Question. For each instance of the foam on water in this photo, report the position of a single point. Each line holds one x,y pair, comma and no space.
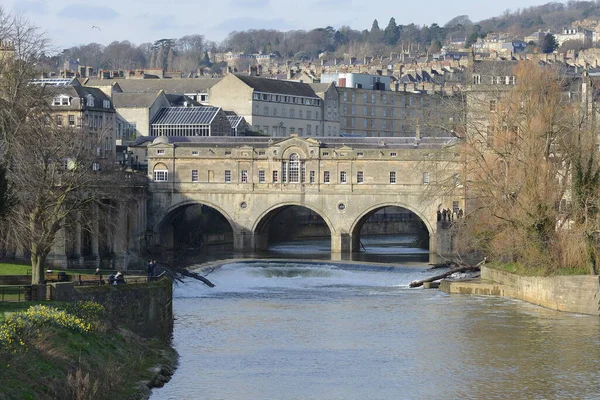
270,276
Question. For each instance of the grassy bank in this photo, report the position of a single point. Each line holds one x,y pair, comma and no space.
71,352
523,270
15,269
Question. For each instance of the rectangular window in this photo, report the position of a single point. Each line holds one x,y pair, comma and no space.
161,176
325,176
392,176
227,152
455,207
343,177
227,176
426,178
58,120
311,177
194,175
360,176
71,120
160,152
275,176
493,105
325,153
393,154
261,176
194,153
244,176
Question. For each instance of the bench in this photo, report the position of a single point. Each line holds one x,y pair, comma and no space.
56,277
90,280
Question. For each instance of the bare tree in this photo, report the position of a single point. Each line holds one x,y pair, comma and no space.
48,166
524,146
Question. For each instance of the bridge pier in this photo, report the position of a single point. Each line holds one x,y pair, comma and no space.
341,242
243,240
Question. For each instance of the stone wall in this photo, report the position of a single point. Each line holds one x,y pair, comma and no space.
577,294
146,309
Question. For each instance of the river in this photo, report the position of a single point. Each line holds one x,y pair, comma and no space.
306,330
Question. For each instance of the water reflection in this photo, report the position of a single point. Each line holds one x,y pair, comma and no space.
380,249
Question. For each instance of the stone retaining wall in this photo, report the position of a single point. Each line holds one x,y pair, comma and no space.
572,293
146,309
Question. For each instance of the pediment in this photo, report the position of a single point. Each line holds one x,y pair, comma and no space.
293,144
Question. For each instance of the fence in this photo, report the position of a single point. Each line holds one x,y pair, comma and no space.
15,293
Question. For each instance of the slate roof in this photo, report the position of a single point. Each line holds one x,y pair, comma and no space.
186,116
276,86
134,100
82,92
171,86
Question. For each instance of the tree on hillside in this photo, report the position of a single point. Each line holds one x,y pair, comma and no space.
391,34
549,43
530,156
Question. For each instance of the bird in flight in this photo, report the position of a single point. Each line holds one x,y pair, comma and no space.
95,27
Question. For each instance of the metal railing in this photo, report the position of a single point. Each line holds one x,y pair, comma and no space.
15,293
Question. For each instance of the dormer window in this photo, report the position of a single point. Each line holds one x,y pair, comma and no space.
89,100
106,103
61,100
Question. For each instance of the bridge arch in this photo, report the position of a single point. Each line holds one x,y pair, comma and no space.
164,232
264,219
358,223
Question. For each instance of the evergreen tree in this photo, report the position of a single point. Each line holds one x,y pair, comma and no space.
391,34
549,43
375,27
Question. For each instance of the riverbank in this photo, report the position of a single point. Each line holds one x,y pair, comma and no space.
570,293
51,351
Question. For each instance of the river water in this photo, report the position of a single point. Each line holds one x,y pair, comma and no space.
325,330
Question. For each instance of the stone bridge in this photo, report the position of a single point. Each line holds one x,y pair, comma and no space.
344,180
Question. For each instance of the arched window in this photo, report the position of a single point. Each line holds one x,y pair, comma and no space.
294,168
161,173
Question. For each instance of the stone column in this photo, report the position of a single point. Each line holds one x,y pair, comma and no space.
57,257
119,237
94,235
75,259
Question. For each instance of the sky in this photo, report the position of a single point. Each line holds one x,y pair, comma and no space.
71,23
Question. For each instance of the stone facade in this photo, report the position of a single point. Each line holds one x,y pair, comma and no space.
343,180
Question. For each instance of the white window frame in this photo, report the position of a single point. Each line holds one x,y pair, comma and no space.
360,177
261,176
161,175
195,175
343,177
392,177
227,176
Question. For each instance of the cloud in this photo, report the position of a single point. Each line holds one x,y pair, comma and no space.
249,3
39,7
88,12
